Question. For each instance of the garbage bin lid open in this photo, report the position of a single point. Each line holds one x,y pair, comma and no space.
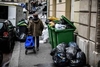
69,22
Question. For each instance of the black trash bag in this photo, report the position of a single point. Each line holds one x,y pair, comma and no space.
23,29
53,51
61,47
20,31
63,22
47,21
60,59
59,55
80,60
71,53
68,26
73,44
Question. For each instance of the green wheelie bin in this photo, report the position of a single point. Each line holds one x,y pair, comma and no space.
50,36
65,35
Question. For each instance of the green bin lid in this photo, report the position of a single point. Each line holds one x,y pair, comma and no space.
69,22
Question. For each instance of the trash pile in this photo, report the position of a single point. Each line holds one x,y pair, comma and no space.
44,36
59,24
68,55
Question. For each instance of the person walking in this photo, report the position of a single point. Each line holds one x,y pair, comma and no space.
35,28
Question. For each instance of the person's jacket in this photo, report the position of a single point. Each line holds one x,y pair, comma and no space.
35,27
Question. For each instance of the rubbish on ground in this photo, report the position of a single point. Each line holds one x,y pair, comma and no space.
73,44
44,36
71,52
68,55
79,61
58,54
60,48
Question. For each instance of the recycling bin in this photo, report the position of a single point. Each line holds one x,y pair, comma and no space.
65,35
60,36
50,36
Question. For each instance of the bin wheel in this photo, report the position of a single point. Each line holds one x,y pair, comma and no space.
26,52
34,50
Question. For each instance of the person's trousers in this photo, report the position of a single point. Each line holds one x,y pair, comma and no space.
37,41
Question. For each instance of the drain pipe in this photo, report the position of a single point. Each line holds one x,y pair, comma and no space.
89,24
98,28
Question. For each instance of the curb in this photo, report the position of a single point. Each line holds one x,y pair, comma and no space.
15,56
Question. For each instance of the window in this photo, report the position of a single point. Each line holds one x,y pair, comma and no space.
4,12
60,0
1,25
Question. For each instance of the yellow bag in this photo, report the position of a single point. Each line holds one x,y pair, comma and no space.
52,18
51,23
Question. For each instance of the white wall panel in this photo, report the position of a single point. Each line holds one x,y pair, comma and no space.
58,14
60,7
76,5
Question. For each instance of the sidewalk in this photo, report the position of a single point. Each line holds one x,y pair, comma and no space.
42,57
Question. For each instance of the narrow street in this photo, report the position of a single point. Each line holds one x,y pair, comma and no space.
70,38
42,57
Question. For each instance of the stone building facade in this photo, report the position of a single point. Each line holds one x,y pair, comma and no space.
85,15
14,0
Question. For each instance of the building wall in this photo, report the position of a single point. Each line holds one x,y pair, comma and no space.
22,0
58,8
51,8
85,20
41,1
15,0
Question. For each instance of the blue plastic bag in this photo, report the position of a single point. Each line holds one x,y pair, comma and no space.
73,44
30,41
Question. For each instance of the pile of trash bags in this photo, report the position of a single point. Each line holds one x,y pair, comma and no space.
68,55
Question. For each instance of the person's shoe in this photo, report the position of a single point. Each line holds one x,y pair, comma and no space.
34,50
37,49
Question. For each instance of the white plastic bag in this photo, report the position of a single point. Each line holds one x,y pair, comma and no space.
44,36
60,26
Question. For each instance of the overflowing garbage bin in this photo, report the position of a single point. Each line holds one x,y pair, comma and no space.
61,34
